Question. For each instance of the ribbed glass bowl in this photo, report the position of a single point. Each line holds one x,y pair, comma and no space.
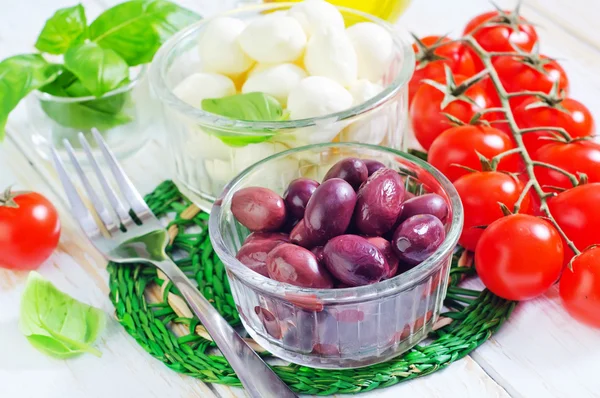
205,160
336,328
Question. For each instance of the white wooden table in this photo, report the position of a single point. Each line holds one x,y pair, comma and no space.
540,352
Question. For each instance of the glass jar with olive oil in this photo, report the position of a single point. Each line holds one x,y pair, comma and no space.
389,10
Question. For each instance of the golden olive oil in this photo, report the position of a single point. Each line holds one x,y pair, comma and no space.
389,10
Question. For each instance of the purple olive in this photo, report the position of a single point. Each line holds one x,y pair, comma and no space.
417,238
254,254
262,236
426,204
352,170
373,166
297,195
379,202
385,248
301,236
318,252
354,261
297,266
258,209
269,321
329,210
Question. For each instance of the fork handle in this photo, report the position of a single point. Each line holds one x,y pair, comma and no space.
256,376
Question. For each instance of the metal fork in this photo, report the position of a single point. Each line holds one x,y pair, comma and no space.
142,238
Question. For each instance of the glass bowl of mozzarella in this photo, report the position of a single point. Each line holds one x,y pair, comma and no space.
253,82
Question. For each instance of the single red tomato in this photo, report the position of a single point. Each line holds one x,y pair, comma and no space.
459,146
29,230
519,257
426,110
569,114
502,36
577,212
525,74
430,63
480,193
580,288
575,157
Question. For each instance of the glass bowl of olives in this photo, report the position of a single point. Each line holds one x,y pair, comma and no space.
338,254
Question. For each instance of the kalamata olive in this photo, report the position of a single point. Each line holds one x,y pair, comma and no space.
329,210
297,195
354,261
352,170
269,321
254,254
297,266
430,203
373,166
385,248
417,238
301,236
258,209
318,252
262,236
379,202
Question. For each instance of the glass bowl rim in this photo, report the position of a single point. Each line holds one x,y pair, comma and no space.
158,70
143,70
402,282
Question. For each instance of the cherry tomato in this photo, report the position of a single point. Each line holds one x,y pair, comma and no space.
459,146
575,157
426,110
519,257
569,114
480,193
524,74
578,214
502,36
430,66
580,288
29,230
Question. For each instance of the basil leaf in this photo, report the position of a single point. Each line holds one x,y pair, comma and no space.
99,69
102,113
66,27
137,28
249,107
19,75
57,324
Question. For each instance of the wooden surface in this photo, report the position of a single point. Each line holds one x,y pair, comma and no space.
540,352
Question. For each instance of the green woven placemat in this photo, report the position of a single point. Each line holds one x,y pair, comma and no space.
153,313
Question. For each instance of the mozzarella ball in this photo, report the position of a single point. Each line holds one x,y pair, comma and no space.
317,96
277,81
363,90
316,14
330,53
194,88
220,51
374,49
273,39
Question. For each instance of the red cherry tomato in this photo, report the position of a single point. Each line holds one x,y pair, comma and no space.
519,257
520,74
580,288
575,157
480,194
459,146
577,212
569,114
426,110
429,66
29,230
502,37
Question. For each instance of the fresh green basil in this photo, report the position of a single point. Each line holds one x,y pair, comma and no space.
66,27
257,107
100,70
19,75
137,28
57,324
102,113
